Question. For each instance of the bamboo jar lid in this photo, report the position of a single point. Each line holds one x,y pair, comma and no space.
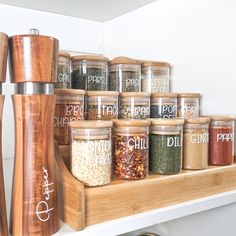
3,56
89,58
130,123
135,94
197,120
69,92
164,95
92,124
124,60
102,93
33,58
221,118
155,63
64,54
189,95
167,122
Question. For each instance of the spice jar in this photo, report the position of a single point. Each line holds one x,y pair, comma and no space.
102,105
221,143
163,105
130,149
166,145
63,71
196,139
189,105
89,72
69,107
91,152
155,77
134,105
125,75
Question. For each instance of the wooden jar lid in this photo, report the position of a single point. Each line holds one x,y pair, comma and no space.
92,124
102,93
69,92
189,95
64,54
89,58
33,58
124,60
3,56
168,122
198,120
130,123
221,118
155,63
164,95
135,94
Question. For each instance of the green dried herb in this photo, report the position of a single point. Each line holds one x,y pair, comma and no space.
165,153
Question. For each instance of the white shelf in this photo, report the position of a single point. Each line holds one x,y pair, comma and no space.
97,10
139,221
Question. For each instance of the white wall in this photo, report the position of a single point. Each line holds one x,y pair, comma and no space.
198,37
75,35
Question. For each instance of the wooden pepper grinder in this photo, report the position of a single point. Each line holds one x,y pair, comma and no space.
3,66
33,66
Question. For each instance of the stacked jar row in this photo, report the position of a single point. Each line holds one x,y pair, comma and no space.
122,74
103,105
128,149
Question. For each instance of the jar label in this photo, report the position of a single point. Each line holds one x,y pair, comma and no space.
163,111
173,141
136,112
43,209
96,79
138,143
199,138
225,137
160,85
63,78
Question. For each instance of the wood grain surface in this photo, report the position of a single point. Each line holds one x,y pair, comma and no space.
71,192
124,198
33,58
34,196
3,56
3,214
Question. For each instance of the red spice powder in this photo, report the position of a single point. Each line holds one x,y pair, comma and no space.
221,146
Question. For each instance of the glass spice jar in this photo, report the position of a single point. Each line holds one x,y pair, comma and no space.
134,105
63,71
102,105
189,105
196,140
125,75
89,72
69,107
166,145
163,105
130,149
91,153
221,142
155,77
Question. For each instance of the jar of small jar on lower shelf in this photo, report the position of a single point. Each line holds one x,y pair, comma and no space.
130,149
155,77
163,105
134,105
166,145
89,73
69,107
221,142
91,153
189,105
63,71
125,75
196,140
102,105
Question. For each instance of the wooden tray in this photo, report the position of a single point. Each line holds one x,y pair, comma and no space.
83,206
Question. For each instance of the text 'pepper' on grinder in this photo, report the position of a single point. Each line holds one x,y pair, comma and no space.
33,66
3,66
